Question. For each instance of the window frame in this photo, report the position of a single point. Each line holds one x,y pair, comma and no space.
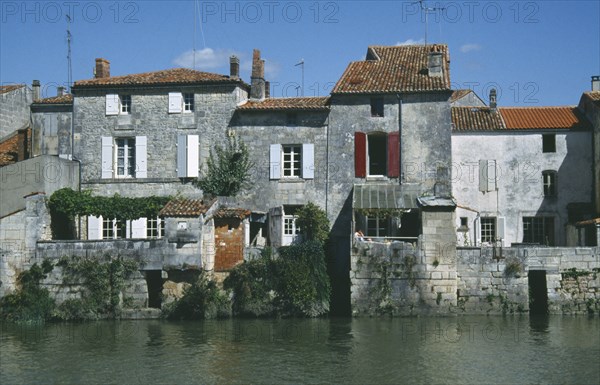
536,226
113,229
488,229
188,103
124,104
383,137
548,143
289,166
377,107
129,156
382,226
155,228
549,183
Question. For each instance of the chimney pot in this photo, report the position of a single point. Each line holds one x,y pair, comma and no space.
596,83
60,91
234,67
493,104
102,68
35,88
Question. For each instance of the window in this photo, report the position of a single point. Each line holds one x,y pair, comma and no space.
113,229
464,224
378,227
292,158
124,157
548,143
291,119
487,175
125,104
549,183
155,228
538,230
488,229
377,154
188,156
291,231
377,107
188,102
291,161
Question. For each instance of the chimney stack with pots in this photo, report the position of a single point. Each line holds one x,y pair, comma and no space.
35,89
596,83
257,79
102,68
493,99
234,67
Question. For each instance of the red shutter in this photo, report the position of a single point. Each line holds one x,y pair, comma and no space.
393,142
360,155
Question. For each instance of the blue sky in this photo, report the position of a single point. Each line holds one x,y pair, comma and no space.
533,52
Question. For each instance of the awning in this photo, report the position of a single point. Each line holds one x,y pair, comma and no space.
384,196
431,201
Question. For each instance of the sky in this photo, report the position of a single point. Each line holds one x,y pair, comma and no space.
534,53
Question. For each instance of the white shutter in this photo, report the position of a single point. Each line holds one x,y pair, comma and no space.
308,161
141,157
181,156
175,102
483,175
107,157
112,104
500,228
138,228
491,172
94,228
193,150
275,162
478,231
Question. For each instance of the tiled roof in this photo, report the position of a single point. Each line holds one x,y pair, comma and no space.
307,103
395,69
171,76
476,119
232,213
64,99
594,96
9,148
11,87
458,94
520,118
185,208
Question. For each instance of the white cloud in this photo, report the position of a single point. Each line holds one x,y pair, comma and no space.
411,42
469,47
206,59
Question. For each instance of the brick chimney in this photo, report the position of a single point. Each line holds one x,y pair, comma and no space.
257,79
102,68
435,60
596,83
234,67
35,89
493,104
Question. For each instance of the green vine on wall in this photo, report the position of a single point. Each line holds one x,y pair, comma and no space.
65,204
381,213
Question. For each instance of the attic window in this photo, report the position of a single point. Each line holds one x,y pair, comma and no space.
549,143
291,119
377,107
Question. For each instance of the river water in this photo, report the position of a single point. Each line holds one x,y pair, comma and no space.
462,350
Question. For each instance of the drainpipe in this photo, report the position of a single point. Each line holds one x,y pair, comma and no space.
327,165
400,175
79,188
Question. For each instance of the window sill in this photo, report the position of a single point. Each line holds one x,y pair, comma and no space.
291,180
378,178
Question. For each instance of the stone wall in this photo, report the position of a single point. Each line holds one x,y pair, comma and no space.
14,110
51,130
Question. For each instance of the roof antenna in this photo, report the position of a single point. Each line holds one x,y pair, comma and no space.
427,10
301,63
69,68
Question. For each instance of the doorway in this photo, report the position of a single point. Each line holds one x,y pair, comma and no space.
538,292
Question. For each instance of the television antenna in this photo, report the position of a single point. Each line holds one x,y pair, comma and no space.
69,67
427,10
301,63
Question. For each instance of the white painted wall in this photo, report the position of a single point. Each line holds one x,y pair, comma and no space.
519,191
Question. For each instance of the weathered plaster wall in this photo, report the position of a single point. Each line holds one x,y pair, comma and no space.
51,130
14,110
520,162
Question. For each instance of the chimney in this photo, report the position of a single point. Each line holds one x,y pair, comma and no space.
596,83
434,62
267,89
60,91
257,79
35,88
493,99
102,68
234,67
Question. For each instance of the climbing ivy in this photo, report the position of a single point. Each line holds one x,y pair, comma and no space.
65,204
381,213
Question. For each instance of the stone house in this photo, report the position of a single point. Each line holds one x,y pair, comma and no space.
520,174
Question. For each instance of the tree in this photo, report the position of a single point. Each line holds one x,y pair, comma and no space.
227,169
313,223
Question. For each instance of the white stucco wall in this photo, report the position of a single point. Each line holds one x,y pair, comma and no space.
519,189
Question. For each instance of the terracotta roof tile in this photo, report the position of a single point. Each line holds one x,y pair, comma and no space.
64,99
9,148
305,103
476,119
170,76
394,69
232,213
522,118
594,96
11,87
184,208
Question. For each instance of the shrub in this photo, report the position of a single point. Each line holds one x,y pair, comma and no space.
313,223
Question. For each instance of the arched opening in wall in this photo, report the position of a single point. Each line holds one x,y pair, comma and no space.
155,286
538,292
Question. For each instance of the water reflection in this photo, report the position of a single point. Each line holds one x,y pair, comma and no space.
338,350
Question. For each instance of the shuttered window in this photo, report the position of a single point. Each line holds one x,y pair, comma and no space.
124,157
188,152
292,161
377,154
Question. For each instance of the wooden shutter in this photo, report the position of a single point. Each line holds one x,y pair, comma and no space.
175,102
94,228
360,155
181,156
500,226
141,157
393,154
112,104
487,175
308,161
193,156
107,157
138,228
276,226
275,161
